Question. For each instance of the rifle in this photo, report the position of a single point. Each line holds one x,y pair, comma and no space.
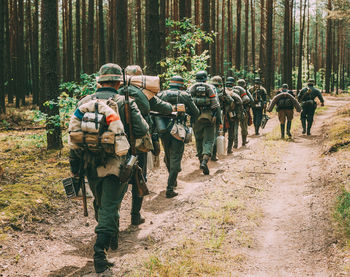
139,178
83,189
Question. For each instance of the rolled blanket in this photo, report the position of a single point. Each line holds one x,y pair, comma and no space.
284,95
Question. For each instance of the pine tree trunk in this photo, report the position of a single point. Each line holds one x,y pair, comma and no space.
252,19
49,65
262,38
84,36
213,45
238,36
269,75
162,27
28,47
300,56
152,37
246,33
7,57
77,41
35,53
102,50
90,37
287,70
122,22
140,45
206,20
222,69
2,64
70,55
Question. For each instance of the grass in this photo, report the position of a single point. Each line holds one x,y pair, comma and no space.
30,187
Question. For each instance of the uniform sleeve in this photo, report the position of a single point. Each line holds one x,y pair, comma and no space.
139,124
319,95
160,106
301,94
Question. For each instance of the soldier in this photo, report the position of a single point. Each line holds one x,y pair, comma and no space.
247,100
204,97
233,115
216,81
107,189
285,102
145,106
259,105
307,99
173,147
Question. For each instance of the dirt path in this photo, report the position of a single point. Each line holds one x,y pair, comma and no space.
295,233
290,238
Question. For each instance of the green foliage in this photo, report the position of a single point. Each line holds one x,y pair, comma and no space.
182,58
343,211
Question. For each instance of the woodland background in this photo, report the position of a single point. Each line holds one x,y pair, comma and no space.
47,43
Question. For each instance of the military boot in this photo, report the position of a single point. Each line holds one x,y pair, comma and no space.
257,130
244,140
303,123
170,193
289,125
204,165
229,146
214,158
309,124
100,249
282,130
136,218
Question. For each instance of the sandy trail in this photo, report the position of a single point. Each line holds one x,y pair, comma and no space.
295,233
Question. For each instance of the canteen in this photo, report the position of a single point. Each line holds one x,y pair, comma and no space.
220,144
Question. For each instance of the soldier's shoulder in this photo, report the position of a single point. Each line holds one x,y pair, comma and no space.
85,99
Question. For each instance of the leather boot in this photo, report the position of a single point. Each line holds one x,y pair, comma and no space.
204,165
244,140
289,125
257,130
303,123
200,158
229,146
136,218
100,249
214,158
170,193
309,124
282,130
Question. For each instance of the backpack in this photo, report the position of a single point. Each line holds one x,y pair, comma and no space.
201,94
96,128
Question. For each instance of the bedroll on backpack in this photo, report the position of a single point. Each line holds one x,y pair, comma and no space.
97,128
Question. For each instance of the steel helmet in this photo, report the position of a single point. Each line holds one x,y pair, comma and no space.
201,76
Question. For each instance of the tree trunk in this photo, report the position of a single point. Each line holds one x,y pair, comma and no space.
70,55
77,41
152,37
140,56
269,76
246,33
262,38
2,64
8,52
230,32
252,19
90,38
213,45
121,27
184,8
206,20
35,53
287,69
102,47
301,37
49,65
238,36
162,27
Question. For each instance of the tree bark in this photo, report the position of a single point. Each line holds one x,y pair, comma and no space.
252,19
102,45
77,41
238,36
300,56
287,55
140,49
152,37
269,76
122,22
206,20
49,65
246,33
70,55
230,32
2,64
90,38
213,45
262,38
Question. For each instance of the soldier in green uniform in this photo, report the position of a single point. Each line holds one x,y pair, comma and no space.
145,106
285,109
307,99
173,147
247,100
233,115
259,105
205,98
107,189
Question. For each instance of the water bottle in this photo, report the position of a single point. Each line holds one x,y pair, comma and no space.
220,144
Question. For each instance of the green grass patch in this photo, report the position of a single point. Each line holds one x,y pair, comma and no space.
343,212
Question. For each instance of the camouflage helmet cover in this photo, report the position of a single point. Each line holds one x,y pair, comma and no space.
110,72
285,86
230,80
241,82
257,81
133,70
201,76
216,80
177,81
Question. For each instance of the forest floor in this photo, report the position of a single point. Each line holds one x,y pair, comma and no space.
265,210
